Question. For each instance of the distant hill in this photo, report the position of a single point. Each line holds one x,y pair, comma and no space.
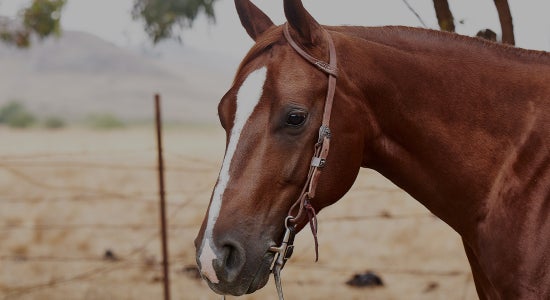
80,74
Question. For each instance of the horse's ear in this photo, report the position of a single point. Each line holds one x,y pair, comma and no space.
309,31
253,19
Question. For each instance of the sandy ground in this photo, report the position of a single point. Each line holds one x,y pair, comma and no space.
66,197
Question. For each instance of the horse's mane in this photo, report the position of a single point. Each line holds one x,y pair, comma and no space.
392,35
395,35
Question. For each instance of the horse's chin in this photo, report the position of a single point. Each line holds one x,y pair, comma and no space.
259,281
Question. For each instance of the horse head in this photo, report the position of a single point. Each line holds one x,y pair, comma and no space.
272,115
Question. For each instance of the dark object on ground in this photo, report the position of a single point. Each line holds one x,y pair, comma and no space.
110,255
192,272
367,279
432,286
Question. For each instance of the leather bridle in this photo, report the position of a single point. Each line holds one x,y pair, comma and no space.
318,162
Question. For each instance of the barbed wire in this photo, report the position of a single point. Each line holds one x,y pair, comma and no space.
84,276
65,155
104,166
110,153
95,259
134,227
385,270
14,164
381,216
31,180
100,192
76,199
83,199
113,266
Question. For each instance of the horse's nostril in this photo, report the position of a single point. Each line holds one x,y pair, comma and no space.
232,260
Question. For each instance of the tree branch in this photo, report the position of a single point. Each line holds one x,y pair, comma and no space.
415,13
506,23
444,15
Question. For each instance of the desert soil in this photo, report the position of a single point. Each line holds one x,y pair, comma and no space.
68,197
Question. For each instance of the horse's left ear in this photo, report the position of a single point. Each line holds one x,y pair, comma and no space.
310,32
253,19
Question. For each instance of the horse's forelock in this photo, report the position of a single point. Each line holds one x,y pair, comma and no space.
267,40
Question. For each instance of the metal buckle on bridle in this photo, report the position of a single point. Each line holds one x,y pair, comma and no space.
318,162
282,254
324,132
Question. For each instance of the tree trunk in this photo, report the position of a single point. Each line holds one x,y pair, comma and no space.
506,23
445,16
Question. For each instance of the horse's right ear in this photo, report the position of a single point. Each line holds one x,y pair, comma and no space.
253,19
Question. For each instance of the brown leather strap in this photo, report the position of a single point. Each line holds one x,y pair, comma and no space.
322,146
328,68
312,216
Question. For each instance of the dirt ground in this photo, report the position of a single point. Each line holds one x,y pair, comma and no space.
79,215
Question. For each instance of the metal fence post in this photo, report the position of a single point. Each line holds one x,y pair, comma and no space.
164,235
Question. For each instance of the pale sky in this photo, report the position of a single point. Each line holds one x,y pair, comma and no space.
111,20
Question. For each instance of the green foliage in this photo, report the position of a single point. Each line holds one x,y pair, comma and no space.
54,123
160,16
19,38
14,114
42,18
105,121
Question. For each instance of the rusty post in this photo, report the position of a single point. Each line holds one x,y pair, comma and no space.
164,235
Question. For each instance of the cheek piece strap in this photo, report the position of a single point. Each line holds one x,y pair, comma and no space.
303,204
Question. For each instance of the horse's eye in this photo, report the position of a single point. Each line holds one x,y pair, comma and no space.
296,119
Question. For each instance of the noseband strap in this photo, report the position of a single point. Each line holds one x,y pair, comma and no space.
303,204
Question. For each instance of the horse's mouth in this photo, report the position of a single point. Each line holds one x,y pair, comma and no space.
258,280
262,275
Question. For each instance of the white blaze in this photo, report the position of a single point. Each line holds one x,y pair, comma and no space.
248,98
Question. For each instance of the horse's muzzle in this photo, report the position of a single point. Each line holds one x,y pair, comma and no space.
234,274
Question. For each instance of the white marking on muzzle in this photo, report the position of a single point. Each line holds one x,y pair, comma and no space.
248,98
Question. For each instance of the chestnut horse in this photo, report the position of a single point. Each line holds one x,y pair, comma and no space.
461,124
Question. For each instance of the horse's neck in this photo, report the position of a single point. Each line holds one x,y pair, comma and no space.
444,130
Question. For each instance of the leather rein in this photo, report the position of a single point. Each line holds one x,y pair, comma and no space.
318,162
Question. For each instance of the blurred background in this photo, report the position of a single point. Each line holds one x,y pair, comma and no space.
78,187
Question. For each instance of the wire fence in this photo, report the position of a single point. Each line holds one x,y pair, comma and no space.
37,170
21,168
